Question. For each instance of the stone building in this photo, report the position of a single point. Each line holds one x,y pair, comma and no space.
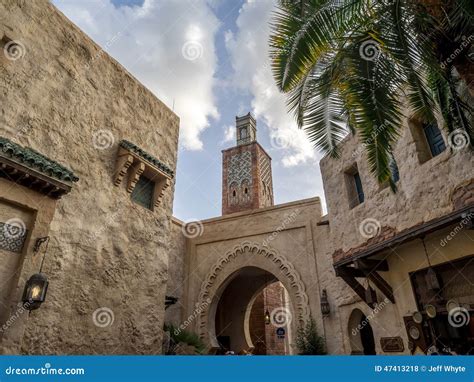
87,161
87,169
407,257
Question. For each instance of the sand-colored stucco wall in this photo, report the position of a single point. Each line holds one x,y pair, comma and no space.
69,100
290,230
424,190
176,272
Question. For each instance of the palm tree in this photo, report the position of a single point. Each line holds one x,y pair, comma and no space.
353,64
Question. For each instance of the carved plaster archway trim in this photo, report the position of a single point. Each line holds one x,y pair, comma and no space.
292,279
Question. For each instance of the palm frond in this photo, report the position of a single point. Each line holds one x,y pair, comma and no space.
298,42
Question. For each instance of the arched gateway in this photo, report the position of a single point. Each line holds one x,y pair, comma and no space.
246,255
234,261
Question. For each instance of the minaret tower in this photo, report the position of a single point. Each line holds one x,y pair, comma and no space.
246,171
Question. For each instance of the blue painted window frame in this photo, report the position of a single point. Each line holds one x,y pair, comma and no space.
434,138
359,189
394,170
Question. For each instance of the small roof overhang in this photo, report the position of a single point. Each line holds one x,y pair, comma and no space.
415,232
29,168
358,263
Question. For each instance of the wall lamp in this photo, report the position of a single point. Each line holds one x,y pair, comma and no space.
325,307
36,287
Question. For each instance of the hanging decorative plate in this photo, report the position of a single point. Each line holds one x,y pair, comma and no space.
430,311
417,317
451,304
414,332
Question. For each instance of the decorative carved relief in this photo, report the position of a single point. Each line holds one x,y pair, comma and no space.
160,191
121,167
12,237
135,172
240,168
292,279
136,162
266,177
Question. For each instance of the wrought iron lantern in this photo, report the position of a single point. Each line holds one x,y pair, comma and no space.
36,287
267,317
35,290
325,307
432,280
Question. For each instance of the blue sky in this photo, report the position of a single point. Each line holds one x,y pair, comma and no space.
209,61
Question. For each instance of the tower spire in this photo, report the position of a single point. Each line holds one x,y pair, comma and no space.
246,129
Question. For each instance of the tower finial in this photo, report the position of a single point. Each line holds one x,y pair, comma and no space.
246,127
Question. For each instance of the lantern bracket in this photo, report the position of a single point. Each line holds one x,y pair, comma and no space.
39,242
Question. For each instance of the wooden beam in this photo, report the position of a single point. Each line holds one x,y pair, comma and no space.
347,274
373,276
350,271
382,285
357,288
371,265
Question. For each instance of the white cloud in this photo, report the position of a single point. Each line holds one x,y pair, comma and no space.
168,45
249,52
229,134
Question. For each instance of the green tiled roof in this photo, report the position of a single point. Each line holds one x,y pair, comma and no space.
36,161
137,150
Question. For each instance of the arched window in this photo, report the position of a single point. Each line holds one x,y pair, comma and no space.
245,187
233,194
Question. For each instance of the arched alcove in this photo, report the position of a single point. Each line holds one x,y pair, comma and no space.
360,334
